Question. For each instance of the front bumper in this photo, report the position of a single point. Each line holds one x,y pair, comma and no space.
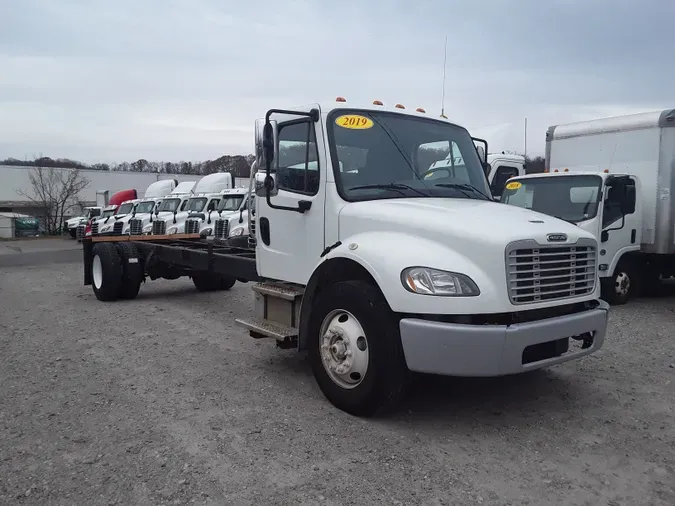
495,350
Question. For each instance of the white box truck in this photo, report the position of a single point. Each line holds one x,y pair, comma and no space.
374,270
615,178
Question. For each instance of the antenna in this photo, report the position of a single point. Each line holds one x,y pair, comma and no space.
445,62
525,138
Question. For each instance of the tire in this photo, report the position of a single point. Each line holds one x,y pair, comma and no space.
72,233
621,286
352,307
106,271
132,270
211,282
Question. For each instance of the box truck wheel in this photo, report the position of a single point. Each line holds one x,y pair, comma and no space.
106,271
132,270
619,287
72,232
355,349
205,282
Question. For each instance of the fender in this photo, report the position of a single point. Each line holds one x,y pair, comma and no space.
626,250
358,256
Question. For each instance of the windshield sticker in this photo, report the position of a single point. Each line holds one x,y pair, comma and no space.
354,122
514,185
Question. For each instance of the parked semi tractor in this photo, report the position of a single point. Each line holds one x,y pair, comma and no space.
374,270
229,213
174,203
615,178
204,199
112,210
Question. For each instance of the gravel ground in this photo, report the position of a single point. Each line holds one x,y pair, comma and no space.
164,401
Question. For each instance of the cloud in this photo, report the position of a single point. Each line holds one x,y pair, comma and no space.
185,79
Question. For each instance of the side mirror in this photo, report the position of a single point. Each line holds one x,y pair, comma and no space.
486,168
263,183
266,142
481,154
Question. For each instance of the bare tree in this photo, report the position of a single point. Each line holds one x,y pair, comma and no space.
54,191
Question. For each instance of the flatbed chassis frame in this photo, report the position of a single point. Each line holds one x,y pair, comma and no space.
185,251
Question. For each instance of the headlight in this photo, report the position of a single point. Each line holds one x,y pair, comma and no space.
172,230
237,231
206,232
147,228
106,229
427,281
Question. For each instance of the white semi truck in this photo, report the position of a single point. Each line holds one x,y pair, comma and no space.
375,271
615,178
205,197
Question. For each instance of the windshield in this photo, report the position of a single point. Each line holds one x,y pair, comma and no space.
125,208
107,213
196,204
169,205
94,212
231,203
145,207
571,198
415,157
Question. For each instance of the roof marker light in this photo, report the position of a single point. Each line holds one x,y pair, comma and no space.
566,170
399,106
340,99
555,170
377,102
606,171
419,109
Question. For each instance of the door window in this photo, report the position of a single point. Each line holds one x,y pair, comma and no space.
502,175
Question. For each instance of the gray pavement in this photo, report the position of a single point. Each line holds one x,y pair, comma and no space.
163,400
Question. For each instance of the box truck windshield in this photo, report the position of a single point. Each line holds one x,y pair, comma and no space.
571,198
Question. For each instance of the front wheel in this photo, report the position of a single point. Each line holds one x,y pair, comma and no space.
619,287
355,349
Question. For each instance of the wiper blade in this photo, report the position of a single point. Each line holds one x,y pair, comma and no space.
389,186
463,186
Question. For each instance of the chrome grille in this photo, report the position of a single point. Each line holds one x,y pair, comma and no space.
221,229
94,228
545,273
79,232
251,233
135,226
192,226
158,227
117,228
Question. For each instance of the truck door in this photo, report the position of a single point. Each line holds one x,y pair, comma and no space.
619,232
502,171
289,243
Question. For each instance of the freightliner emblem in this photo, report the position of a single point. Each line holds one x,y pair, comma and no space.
556,237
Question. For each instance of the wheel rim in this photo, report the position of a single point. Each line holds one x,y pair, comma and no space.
622,284
97,271
344,349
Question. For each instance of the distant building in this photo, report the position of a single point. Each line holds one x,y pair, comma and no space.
14,179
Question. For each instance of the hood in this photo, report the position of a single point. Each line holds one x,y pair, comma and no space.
465,220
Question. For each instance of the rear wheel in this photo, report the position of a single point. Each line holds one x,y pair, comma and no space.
72,232
355,349
211,282
106,271
132,270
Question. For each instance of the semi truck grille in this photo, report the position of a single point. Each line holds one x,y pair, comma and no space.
79,232
117,228
221,229
94,228
251,233
192,226
547,273
158,227
135,226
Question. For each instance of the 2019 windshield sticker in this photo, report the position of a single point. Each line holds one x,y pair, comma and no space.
514,185
354,122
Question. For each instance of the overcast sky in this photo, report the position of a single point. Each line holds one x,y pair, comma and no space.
114,80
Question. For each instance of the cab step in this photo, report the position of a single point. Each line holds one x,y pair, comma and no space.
264,328
278,290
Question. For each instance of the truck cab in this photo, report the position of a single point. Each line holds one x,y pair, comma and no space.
381,261
604,204
231,209
205,197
